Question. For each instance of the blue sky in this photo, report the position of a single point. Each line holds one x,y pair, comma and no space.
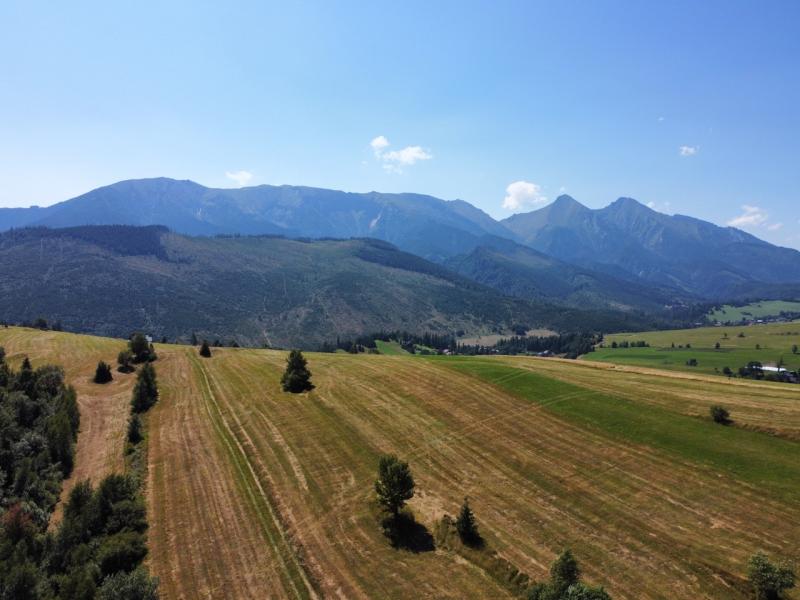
693,107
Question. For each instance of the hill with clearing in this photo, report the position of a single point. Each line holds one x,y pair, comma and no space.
273,492
111,280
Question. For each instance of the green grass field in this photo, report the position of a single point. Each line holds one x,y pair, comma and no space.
766,344
390,348
756,310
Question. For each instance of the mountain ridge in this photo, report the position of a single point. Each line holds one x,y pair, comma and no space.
626,240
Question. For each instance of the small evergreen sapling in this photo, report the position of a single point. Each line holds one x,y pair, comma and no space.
720,415
205,350
467,526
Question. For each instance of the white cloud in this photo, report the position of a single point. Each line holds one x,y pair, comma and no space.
242,178
660,119
378,144
775,226
651,204
393,161
752,216
688,150
521,194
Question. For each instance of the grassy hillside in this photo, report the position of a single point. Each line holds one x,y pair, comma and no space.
774,341
256,290
104,409
273,492
756,310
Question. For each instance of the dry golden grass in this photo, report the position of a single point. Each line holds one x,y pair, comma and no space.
254,493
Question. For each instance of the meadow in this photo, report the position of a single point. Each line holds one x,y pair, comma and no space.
256,493
755,310
738,345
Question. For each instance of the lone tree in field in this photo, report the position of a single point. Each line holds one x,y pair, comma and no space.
103,373
720,415
297,377
794,349
768,579
467,526
395,484
145,392
205,350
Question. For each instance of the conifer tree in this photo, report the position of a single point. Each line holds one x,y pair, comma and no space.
103,373
139,347
135,429
297,377
564,572
467,526
205,350
125,360
145,392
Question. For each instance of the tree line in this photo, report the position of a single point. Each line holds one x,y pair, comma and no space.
98,548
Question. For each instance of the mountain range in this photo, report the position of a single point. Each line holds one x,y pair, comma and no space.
625,257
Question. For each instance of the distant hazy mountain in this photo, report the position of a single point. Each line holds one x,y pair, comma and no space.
663,258
426,226
629,240
116,279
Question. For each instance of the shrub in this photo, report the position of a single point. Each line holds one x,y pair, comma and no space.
125,362
127,515
103,373
205,350
720,415
768,579
395,484
121,552
297,377
136,585
135,429
565,583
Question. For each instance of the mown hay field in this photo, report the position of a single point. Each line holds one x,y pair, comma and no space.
255,493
